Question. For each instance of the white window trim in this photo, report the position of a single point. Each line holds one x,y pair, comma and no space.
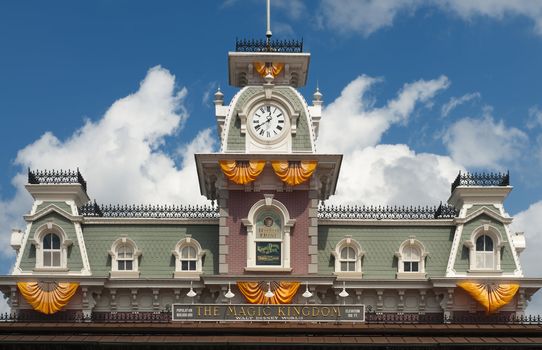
350,242
401,273
39,234
250,222
494,234
179,273
115,272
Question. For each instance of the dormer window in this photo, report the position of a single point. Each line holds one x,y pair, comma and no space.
124,258
51,250
485,250
348,254
188,258
411,259
51,244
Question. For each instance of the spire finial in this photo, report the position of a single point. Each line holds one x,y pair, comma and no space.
268,32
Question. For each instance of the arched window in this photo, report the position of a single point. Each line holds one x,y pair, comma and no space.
268,236
188,258
485,249
124,258
51,250
485,255
348,259
348,254
51,244
411,259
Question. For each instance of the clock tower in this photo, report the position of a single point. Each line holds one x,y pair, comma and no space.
267,177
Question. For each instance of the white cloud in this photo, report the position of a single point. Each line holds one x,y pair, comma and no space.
395,175
352,122
530,222
535,117
364,17
484,142
457,101
383,174
208,94
368,16
121,155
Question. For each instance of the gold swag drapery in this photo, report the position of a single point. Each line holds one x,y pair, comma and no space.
263,69
294,173
242,172
491,296
47,298
254,292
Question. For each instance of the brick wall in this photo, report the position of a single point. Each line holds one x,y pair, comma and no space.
240,203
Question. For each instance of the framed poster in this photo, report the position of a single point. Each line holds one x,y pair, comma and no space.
268,253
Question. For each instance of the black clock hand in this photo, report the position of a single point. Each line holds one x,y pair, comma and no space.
259,125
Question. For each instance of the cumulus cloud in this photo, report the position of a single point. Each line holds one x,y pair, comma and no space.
396,175
367,16
529,221
484,142
352,122
383,174
458,101
122,155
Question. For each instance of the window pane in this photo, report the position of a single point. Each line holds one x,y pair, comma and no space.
191,252
46,258
344,253
192,265
415,266
406,266
344,266
47,241
415,254
56,258
128,265
184,265
121,265
480,261
351,266
56,241
488,244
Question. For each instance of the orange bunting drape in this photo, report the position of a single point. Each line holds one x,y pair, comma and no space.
294,173
491,296
263,69
242,172
254,292
47,298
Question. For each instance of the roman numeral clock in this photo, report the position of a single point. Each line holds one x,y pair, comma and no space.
268,122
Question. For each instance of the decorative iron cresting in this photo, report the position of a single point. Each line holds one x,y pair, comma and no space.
481,179
443,211
150,211
164,316
36,177
256,45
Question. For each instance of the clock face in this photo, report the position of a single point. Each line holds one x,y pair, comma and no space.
268,122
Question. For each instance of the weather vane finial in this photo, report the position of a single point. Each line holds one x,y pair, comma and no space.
268,32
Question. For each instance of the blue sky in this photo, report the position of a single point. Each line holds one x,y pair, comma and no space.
431,88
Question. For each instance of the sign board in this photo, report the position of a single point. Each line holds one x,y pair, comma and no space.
268,313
